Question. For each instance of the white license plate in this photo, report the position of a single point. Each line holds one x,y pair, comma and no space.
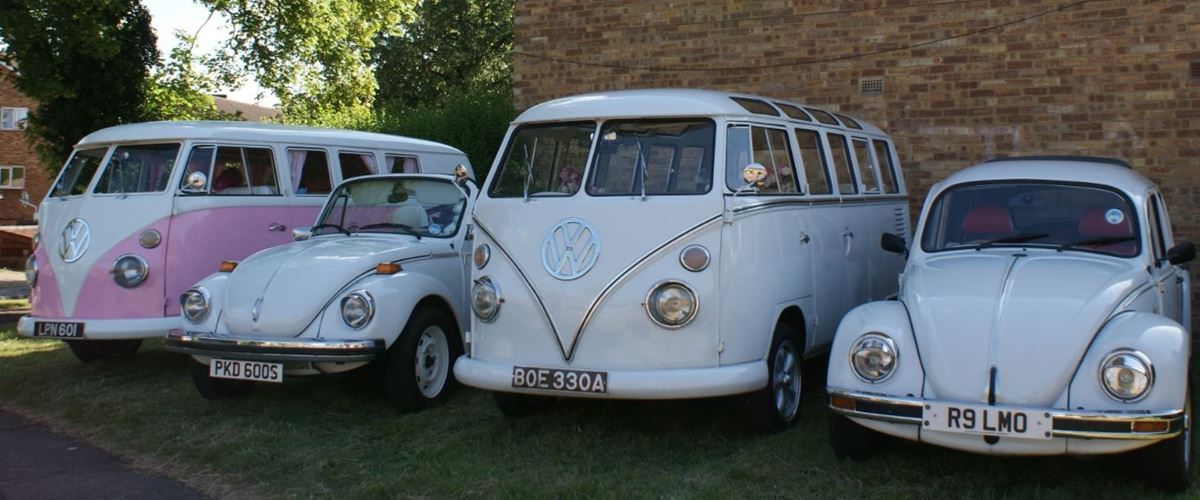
257,371
988,420
58,329
593,382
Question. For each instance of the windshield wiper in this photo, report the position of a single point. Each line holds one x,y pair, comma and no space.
1015,238
403,227
1103,240
335,226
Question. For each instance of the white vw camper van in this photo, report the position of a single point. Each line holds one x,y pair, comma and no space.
659,244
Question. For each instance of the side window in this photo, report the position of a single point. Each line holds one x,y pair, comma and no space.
887,169
233,170
840,152
812,159
1156,230
766,146
356,164
310,171
866,170
397,164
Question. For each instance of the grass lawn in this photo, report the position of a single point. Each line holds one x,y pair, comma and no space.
14,305
335,436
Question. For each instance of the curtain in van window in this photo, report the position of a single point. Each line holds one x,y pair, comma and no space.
368,159
296,159
408,165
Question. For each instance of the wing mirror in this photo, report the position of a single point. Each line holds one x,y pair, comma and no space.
25,200
753,174
893,243
301,233
196,182
1182,252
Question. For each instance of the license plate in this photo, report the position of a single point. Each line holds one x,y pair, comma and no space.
591,382
988,420
58,329
257,371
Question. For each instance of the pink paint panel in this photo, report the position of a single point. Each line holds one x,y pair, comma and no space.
44,298
102,298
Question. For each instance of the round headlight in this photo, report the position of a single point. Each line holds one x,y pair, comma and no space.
194,304
357,309
483,253
1126,375
672,304
873,358
485,299
31,271
130,270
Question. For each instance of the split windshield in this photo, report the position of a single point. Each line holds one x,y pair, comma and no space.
142,168
78,172
419,207
1064,216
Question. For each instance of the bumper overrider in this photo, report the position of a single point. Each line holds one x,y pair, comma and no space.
274,348
1066,424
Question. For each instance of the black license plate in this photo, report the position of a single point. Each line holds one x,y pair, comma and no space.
58,329
553,379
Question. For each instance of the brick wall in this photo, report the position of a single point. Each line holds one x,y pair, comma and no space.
1105,78
14,150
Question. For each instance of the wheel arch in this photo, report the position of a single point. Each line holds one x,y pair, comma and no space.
793,317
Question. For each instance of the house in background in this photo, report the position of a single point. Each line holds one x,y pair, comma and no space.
20,168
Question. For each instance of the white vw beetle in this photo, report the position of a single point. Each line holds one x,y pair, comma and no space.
381,276
1043,311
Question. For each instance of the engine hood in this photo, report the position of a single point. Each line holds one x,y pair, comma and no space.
1030,314
296,281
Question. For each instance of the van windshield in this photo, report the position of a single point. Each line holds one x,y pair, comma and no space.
142,168
655,157
78,172
544,160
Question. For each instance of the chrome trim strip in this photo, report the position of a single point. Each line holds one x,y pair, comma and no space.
793,201
261,348
528,285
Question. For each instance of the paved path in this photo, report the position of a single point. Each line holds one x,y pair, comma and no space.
38,464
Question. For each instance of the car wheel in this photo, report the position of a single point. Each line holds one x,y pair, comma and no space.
92,350
216,388
520,405
1168,464
418,370
850,440
777,406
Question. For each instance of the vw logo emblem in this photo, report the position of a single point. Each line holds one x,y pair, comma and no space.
570,249
75,239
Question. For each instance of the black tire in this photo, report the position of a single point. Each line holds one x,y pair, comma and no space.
214,388
521,405
762,412
429,330
1168,465
850,440
93,350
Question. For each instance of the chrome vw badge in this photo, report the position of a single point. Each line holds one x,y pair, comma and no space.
570,249
75,239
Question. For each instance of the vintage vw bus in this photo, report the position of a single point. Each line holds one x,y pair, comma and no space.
1043,311
659,244
382,275
141,212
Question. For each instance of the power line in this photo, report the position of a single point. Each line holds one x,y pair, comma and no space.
807,62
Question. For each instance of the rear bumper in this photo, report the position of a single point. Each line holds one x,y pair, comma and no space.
679,383
110,329
274,348
1066,424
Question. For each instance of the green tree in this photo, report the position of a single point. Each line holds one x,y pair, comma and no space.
86,62
180,91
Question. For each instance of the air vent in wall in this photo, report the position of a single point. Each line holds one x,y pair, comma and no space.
870,86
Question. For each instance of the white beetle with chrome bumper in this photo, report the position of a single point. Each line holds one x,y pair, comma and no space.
381,277
1043,311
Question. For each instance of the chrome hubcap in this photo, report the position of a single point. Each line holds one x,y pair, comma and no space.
432,361
785,381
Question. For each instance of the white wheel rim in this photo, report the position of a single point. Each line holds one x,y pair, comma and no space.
432,362
785,381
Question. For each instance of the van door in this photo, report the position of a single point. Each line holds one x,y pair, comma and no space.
855,217
824,227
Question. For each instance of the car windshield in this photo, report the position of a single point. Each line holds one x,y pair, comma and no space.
1028,213
416,206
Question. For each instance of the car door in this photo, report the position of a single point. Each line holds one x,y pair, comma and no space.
1171,279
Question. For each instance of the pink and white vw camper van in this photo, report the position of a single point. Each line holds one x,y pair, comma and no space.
141,212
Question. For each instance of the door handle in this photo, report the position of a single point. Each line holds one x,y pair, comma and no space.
848,233
804,239
277,227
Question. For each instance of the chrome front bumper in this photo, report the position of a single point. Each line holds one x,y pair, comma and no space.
274,348
1071,424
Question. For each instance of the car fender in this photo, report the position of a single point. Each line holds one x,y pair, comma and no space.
1165,342
215,285
890,318
396,297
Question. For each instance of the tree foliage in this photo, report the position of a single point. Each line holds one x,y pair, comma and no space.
86,62
181,91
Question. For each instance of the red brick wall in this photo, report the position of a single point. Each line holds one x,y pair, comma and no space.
14,150
1105,78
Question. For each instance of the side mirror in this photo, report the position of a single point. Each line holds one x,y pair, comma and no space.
893,243
1182,252
196,182
301,233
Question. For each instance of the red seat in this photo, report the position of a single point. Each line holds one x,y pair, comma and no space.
1095,223
986,222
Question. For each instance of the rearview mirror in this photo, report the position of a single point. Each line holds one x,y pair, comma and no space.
893,243
301,233
196,182
1182,252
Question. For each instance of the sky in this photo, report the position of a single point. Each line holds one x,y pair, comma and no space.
166,16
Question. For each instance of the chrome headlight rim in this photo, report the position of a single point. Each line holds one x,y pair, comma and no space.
695,247
890,346
1137,355
490,283
648,304
31,270
150,238
117,276
368,303
204,295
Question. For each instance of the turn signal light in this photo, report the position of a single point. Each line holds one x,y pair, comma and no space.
227,266
387,268
841,402
1151,426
